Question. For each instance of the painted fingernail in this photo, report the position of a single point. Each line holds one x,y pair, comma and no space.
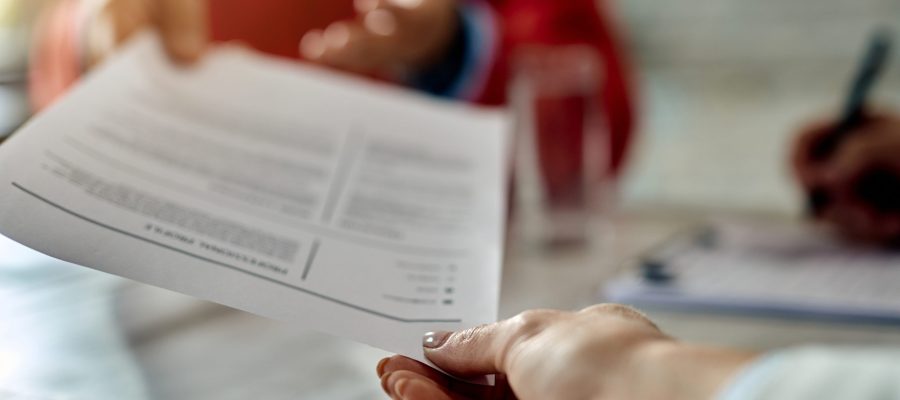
433,340
380,368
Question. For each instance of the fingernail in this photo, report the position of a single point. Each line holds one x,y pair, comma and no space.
433,340
380,368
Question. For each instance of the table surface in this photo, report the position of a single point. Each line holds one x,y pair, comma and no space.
284,360
152,343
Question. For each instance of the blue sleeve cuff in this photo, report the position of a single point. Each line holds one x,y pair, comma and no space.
464,69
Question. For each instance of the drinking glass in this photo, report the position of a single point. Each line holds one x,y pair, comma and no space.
562,146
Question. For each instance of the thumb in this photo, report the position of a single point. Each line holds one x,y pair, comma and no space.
469,353
184,28
483,350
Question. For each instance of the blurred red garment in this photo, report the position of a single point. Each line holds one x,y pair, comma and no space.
276,27
56,58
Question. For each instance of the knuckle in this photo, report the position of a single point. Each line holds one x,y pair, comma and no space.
624,313
616,310
522,329
609,308
531,322
471,335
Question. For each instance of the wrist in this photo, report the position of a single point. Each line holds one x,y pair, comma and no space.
467,57
673,370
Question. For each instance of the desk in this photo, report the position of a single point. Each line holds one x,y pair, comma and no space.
194,350
78,328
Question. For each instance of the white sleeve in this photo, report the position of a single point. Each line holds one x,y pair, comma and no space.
820,374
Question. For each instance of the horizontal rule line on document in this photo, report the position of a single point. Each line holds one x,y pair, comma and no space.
231,267
93,154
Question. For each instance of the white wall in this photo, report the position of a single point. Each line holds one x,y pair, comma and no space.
725,83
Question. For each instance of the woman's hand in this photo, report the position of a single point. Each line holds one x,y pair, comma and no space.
861,180
602,352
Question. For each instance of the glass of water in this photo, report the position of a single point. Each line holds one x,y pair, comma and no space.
562,148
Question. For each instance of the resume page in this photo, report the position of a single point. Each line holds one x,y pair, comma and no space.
288,191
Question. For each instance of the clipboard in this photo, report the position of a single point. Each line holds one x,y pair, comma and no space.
760,268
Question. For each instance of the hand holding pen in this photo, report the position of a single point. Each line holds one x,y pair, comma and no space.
851,168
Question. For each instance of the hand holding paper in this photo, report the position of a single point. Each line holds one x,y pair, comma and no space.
287,191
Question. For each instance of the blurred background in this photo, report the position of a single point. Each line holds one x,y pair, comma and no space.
726,83
718,80
723,85
16,20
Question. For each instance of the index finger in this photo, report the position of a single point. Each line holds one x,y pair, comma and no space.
183,25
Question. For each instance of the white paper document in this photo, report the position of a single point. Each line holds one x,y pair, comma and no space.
284,190
769,268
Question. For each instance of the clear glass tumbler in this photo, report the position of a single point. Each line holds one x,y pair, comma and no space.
562,148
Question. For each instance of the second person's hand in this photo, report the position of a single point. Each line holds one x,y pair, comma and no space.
602,352
865,212
386,35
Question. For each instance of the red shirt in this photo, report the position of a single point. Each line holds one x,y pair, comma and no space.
569,22
276,26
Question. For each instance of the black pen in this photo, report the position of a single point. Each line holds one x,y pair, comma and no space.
873,65
655,263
